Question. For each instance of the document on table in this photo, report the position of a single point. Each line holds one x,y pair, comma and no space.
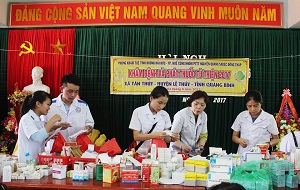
53,134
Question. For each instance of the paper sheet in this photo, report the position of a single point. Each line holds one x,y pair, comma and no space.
197,157
58,123
78,133
168,132
53,134
134,161
104,158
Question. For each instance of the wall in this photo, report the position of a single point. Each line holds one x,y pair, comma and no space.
3,13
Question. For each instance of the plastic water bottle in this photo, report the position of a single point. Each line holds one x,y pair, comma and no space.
29,160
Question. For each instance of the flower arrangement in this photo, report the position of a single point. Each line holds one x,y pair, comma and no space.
10,123
7,142
286,124
8,132
18,97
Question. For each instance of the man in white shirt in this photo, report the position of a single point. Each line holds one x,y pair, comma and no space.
72,111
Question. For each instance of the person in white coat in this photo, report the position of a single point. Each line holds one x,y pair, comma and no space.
288,143
191,124
32,131
144,117
73,112
254,126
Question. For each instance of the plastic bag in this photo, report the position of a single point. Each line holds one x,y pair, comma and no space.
160,143
84,141
132,145
111,147
94,135
58,143
101,140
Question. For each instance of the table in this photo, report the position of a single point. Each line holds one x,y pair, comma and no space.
47,183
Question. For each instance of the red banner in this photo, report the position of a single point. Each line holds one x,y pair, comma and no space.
51,49
259,14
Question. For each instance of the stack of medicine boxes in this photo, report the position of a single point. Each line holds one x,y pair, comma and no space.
196,174
283,174
220,170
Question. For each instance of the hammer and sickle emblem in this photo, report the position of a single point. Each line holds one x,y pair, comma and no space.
29,49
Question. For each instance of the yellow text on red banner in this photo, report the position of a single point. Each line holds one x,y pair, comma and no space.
148,13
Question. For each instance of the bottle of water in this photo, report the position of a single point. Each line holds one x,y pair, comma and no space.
29,160
27,155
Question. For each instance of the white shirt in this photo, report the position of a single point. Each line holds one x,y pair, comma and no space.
30,123
142,120
256,132
79,115
287,143
184,123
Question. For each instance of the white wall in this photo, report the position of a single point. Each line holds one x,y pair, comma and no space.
293,14
3,13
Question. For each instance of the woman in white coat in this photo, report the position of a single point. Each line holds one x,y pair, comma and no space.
32,131
191,124
254,126
152,114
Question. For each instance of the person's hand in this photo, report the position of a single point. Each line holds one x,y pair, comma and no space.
198,152
64,126
185,149
89,129
55,136
243,143
175,137
55,118
159,135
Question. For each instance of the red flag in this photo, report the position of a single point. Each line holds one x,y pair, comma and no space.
51,49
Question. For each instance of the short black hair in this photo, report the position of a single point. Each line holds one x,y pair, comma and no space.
196,95
70,78
253,95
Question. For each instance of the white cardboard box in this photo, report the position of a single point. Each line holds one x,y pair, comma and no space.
59,171
217,176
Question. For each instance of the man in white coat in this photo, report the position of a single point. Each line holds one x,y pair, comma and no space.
73,112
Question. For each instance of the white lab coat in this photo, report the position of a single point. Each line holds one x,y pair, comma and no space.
184,124
79,115
256,132
142,120
30,123
287,143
